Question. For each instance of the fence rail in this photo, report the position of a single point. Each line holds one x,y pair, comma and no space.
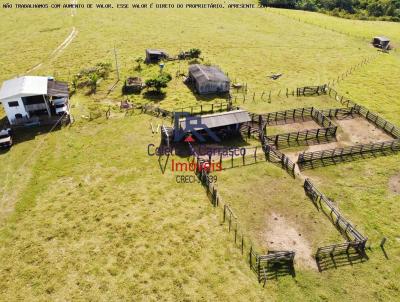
325,204
306,136
258,263
378,121
275,156
311,160
311,90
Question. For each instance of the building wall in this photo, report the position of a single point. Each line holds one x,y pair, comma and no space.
212,87
12,111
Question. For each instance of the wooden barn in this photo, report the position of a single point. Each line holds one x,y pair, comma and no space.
155,55
208,79
381,42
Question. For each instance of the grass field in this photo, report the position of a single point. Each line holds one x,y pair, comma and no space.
86,214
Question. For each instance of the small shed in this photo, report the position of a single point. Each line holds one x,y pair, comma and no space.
381,42
133,84
208,79
155,55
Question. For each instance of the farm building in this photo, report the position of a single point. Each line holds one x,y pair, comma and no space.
155,55
208,79
34,100
381,42
133,84
222,124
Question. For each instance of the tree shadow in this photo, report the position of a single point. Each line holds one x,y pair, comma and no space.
155,96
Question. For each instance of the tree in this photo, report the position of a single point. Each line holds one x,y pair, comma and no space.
158,82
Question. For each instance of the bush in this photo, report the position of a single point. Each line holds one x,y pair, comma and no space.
91,76
158,82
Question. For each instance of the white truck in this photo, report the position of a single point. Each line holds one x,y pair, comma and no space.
6,139
61,106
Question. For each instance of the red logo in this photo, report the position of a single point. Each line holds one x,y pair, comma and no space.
189,139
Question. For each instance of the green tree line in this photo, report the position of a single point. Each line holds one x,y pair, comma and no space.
387,10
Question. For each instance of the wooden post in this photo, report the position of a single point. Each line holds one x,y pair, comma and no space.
224,212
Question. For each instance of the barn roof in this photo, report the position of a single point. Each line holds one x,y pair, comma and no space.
217,119
23,86
202,74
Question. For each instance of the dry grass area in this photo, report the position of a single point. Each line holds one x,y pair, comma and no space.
85,214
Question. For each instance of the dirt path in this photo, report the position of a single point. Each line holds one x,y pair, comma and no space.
56,52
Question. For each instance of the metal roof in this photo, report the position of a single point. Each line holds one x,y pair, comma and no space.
202,73
23,86
216,120
58,89
155,51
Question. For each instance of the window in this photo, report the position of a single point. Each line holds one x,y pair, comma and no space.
13,104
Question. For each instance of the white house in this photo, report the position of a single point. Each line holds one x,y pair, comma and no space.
30,98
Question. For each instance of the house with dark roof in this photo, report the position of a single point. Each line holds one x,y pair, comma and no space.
208,79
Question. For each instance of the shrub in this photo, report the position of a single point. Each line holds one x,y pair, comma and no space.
158,82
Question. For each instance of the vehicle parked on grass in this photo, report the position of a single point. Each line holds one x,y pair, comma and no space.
6,138
61,106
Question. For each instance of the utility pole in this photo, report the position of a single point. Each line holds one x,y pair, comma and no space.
116,62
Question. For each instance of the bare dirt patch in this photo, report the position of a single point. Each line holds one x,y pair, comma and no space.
352,132
360,131
281,235
394,184
293,127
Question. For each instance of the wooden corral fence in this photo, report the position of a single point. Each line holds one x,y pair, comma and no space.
275,156
340,113
207,108
327,256
379,122
372,117
302,137
248,156
260,264
156,111
291,116
311,160
323,203
339,248
323,134
311,90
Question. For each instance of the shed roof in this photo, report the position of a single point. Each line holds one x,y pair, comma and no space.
56,88
382,38
23,86
202,73
155,51
217,119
